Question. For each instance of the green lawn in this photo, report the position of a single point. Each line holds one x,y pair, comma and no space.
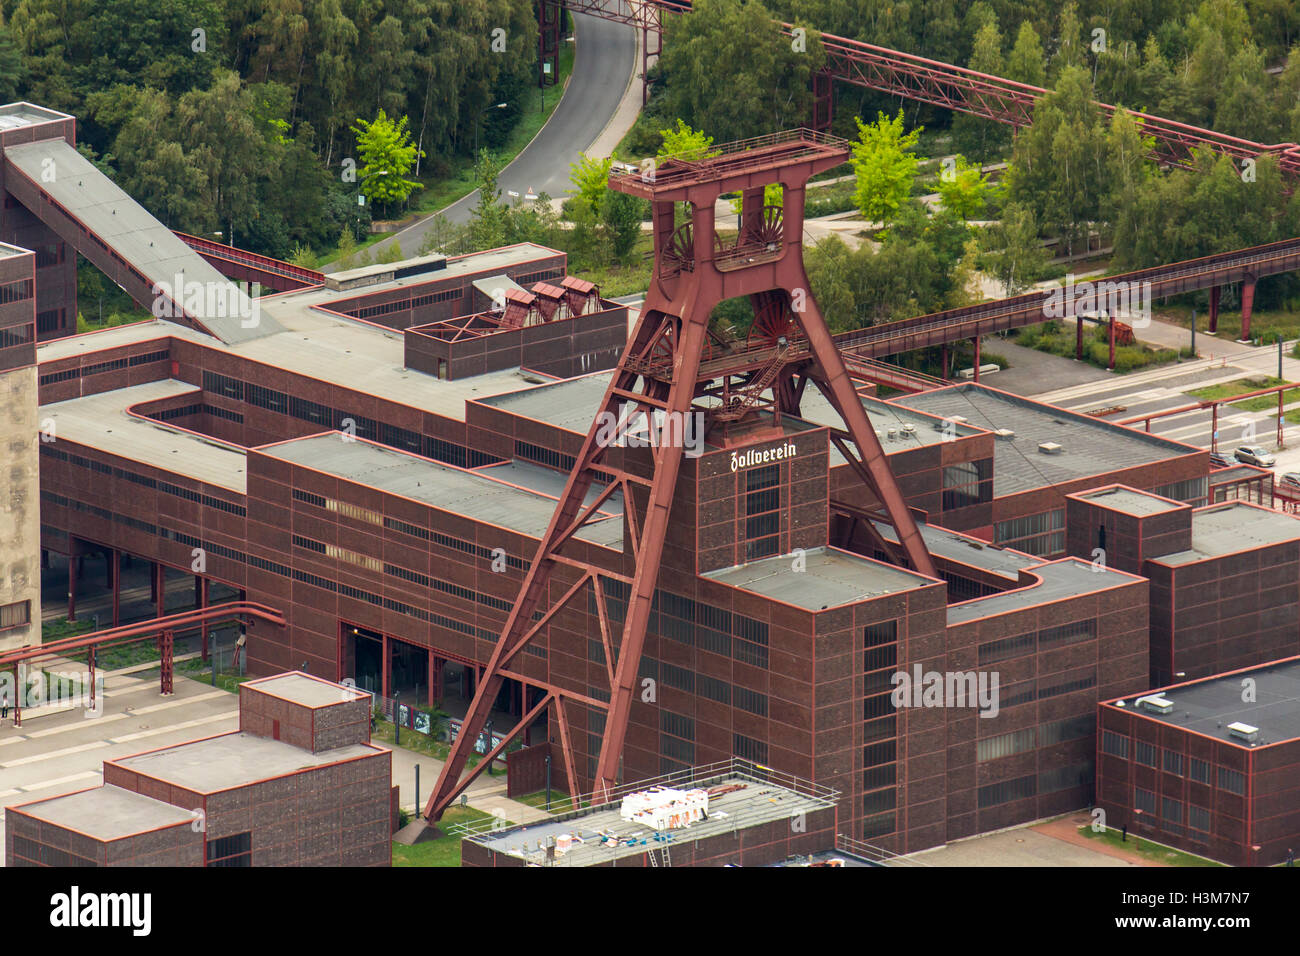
195,669
443,850
1057,339
122,655
59,628
1155,852
1263,324
1241,386
559,801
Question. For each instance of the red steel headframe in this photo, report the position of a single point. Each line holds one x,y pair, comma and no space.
661,373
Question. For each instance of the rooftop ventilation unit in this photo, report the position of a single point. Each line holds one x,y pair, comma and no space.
1155,704
1244,731
943,423
892,433
1050,448
1005,434
908,428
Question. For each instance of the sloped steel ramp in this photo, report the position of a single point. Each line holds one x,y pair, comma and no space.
90,212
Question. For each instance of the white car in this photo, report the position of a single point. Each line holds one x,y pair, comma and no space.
1255,455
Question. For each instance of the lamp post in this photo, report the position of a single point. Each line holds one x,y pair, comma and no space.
478,121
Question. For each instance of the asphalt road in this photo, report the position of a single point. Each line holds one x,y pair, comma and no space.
605,58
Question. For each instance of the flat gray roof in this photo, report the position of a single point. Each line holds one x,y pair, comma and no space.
831,578
1209,706
234,760
107,813
1230,527
1132,502
101,421
1090,446
137,237
756,803
548,481
7,251
306,690
1068,577
963,549
569,404
463,492
13,115
884,417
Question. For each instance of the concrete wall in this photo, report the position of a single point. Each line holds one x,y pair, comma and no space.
20,522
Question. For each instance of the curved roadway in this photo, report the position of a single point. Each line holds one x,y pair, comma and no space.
604,62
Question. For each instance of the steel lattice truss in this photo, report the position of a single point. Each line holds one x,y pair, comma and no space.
670,369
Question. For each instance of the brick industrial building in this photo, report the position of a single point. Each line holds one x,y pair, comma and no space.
299,784
379,454
1211,766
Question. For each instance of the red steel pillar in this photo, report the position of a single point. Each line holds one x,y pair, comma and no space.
117,587
976,342
1214,428
1110,335
72,579
166,644
1078,338
823,100
1247,305
1214,307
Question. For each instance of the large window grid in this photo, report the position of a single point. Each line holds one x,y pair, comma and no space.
762,512
1041,534
967,483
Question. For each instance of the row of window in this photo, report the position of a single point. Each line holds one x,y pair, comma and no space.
692,682
402,439
30,853
1041,534
1049,638
1172,813
285,571
967,483
18,291
155,483
1032,738
1172,761
1040,784
402,305
691,622
15,336
112,366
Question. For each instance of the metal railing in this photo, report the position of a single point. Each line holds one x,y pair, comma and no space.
874,854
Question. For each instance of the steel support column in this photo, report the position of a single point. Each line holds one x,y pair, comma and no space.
1214,307
1110,337
72,579
1247,305
1078,338
976,342
166,647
